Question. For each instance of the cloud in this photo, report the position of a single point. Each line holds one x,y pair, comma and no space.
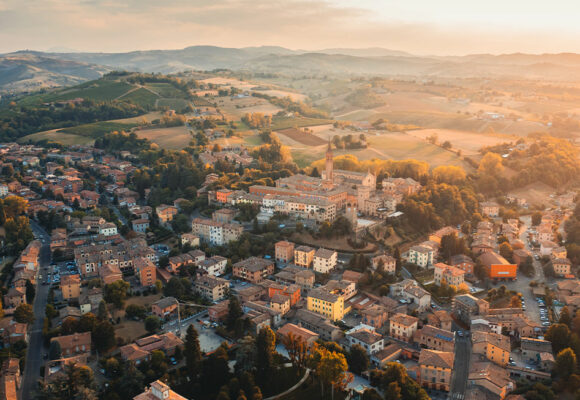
125,25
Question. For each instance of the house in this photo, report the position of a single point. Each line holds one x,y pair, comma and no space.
307,336
390,353
140,225
434,338
189,238
463,262
438,235
489,209
10,379
215,265
547,247
376,316
421,256
15,297
403,326
533,349
280,303
435,369
559,252
440,319
224,215
212,287
108,229
410,290
466,306
561,266
145,270
284,252
318,324
164,307
218,311
159,391
495,347
72,345
520,256
142,348
304,256
489,379
448,274
253,269
325,303
366,337
12,332
165,213
384,263
324,260
70,286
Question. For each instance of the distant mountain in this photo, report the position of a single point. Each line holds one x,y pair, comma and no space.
27,70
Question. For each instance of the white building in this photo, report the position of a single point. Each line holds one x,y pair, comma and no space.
108,229
324,260
421,255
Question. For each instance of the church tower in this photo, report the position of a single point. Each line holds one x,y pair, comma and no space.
329,163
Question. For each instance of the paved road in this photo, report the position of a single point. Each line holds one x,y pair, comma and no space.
36,346
460,368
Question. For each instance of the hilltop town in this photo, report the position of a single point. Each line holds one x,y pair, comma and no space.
129,267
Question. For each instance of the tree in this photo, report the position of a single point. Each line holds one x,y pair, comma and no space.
490,165
565,317
135,311
102,312
515,302
152,323
565,364
506,251
24,314
330,366
265,350
358,359
536,218
192,353
393,392
297,349
103,336
559,335
234,312
116,293
54,351
30,292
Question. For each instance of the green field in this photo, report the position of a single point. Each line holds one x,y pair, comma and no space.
142,97
101,90
165,90
98,129
279,123
173,104
56,136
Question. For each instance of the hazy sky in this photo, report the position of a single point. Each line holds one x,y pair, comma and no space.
418,26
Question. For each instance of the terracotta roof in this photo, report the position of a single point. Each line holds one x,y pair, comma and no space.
438,359
298,331
404,319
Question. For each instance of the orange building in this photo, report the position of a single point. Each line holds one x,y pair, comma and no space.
221,195
497,266
70,285
145,270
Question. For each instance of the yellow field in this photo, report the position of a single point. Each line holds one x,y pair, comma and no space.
175,138
66,139
468,142
235,108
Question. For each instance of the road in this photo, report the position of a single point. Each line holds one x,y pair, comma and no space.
460,368
36,344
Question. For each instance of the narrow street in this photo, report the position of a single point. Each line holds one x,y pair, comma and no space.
460,368
35,351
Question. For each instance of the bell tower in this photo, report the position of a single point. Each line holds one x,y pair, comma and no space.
329,163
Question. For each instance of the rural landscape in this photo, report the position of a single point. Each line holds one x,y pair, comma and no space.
242,200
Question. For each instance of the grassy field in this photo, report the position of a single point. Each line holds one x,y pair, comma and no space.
165,90
56,136
279,123
98,129
175,138
201,102
173,103
102,90
469,142
142,97
236,108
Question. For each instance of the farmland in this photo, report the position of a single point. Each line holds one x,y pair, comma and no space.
175,138
302,137
55,136
98,129
279,123
142,97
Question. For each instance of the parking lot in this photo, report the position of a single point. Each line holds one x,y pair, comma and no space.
208,339
52,274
